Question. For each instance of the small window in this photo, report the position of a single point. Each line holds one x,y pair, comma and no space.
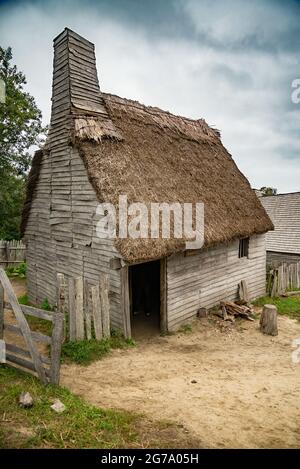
244,247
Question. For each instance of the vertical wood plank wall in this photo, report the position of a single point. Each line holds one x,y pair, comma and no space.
212,275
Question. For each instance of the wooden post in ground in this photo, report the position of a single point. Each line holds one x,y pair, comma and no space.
56,343
61,299
87,310
104,287
1,310
125,302
268,320
79,308
96,309
72,320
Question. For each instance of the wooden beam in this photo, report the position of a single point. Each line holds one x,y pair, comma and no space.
87,310
72,320
125,304
96,308
104,287
61,299
31,311
79,308
56,343
36,336
163,296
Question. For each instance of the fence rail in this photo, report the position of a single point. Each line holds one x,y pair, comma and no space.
47,368
283,278
12,253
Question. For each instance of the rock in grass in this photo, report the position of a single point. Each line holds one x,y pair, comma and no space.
58,406
25,400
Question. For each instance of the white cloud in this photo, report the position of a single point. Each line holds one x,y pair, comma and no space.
243,92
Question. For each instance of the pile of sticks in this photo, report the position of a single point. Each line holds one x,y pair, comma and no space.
232,310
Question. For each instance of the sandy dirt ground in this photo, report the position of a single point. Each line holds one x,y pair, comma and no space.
229,387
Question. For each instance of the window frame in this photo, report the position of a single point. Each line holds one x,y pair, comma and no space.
244,248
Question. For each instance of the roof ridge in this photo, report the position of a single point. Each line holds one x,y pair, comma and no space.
155,110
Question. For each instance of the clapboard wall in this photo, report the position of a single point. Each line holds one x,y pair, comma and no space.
274,259
212,275
61,233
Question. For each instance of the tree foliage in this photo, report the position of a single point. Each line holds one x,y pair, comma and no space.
265,191
20,129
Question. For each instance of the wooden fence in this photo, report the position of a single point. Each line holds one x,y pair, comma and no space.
47,368
87,307
283,278
12,253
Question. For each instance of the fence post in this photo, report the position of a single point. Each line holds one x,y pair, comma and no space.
104,286
96,308
79,308
61,299
2,253
1,310
56,343
72,320
87,310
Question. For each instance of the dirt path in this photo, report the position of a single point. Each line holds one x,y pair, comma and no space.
246,394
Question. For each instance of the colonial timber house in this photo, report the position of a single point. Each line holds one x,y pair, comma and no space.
101,146
283,244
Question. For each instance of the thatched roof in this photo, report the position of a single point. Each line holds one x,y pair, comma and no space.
166,158
284,211
153,156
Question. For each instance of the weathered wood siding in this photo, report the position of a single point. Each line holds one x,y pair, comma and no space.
61,230
202,280
61,235
274,259
284,211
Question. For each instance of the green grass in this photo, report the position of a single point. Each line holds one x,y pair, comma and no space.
87,351
37,324
186,329
289,306
80,426
17,272
23,300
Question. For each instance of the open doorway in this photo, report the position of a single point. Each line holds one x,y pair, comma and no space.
145,299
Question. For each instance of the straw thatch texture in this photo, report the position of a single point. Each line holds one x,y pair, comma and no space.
165,158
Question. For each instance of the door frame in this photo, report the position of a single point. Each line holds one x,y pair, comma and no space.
126,295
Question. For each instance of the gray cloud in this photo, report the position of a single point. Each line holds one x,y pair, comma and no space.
230,62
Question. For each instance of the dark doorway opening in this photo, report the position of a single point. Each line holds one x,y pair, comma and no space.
145,299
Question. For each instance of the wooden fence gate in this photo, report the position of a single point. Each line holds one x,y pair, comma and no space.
47,368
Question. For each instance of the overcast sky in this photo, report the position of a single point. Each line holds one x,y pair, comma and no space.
231,62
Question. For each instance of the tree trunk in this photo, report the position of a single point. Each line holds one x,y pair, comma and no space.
268,320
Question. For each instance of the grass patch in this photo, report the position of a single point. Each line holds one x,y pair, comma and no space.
17,272
289,306
80,426
23,300
87,351
37,324
186,329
